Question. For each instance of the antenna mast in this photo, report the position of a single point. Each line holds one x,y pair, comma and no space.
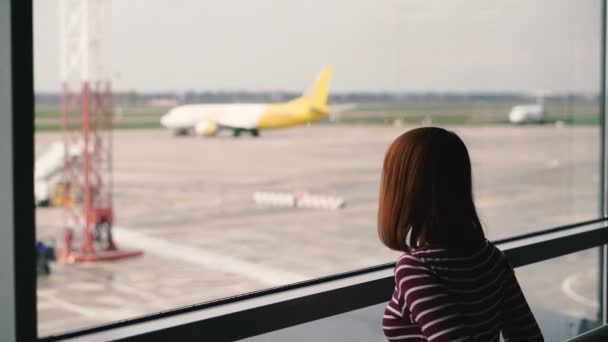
86,106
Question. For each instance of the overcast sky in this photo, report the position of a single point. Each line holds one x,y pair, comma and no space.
373,45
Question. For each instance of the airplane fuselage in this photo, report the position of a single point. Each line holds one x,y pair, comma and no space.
207,119
184,117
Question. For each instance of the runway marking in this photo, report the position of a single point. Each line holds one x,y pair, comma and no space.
201,257
47,327
130,290
75,308
570,293
90,311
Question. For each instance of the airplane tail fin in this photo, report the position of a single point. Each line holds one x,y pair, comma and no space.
317,93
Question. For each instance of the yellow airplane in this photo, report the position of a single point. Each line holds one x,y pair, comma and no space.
208,119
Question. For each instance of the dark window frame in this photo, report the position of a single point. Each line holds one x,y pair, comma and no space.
22,61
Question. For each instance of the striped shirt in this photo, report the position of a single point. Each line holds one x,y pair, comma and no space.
443,296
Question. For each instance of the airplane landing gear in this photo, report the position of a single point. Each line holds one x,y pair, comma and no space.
236,132
182,132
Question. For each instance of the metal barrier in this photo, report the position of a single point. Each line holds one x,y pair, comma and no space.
596,335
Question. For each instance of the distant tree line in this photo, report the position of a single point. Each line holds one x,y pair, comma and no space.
134,98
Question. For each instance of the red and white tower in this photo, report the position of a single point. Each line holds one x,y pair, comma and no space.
87,134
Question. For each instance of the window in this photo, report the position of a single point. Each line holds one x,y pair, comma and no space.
563,306
572,283
222,211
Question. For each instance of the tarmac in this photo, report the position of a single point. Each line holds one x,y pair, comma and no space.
187,202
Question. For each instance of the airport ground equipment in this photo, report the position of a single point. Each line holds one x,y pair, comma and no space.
298,199
44,255
49,170
86,106
306,200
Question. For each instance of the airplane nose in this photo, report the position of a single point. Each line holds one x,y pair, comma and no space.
164,120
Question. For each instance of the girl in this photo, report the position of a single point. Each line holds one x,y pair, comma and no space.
451,284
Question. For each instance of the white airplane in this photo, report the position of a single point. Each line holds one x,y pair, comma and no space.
531,113
522,114
208,119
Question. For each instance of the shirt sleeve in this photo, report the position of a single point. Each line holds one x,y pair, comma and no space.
431,305
519,323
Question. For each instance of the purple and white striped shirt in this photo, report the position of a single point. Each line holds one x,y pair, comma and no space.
443,296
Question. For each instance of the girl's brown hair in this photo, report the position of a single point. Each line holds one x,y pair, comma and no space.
426,193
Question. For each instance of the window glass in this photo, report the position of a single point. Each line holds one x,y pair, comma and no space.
269,175
562,293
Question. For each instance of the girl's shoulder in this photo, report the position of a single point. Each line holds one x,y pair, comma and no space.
414,258
454,253
410,265
422,255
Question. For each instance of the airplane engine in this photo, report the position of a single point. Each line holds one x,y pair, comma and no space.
206,128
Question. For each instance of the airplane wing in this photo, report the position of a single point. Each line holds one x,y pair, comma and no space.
240,119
